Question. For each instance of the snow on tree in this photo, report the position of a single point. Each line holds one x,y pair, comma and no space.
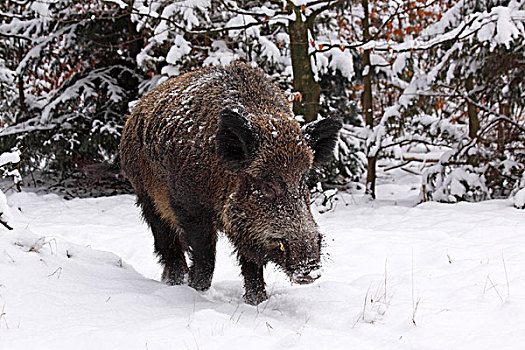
481,71
376,75
421,90
6,159
68,77
429,81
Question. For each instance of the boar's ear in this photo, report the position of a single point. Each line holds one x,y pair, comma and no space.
235,140
321,136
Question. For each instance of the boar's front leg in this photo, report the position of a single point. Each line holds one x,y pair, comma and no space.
201,237
253,281
167,243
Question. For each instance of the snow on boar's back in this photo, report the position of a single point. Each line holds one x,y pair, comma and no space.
218,149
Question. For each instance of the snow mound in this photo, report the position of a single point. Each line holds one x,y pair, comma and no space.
81,274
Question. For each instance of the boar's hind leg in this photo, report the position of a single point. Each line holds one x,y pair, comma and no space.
255,292
167,244
201,236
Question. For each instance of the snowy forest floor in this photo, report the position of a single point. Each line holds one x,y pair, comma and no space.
81,274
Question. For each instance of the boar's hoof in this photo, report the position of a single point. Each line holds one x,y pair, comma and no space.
200,285
255,297
172,276
199,281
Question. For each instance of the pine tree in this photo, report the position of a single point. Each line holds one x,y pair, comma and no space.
68,75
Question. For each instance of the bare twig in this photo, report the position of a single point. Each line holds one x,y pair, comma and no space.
506,275
410,171
57,272
397,166
493,287
386,263
362,315
415,304
2,316
4,223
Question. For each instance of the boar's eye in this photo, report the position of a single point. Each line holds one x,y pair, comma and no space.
271,189
280,245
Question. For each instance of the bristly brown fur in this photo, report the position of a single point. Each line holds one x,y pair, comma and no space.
205,151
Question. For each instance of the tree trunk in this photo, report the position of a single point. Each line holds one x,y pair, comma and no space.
21,94
366,100
473,120
504,109
371,177
136,43
303,76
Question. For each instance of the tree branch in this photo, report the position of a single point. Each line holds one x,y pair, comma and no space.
205,31
311,17
249,13
15,36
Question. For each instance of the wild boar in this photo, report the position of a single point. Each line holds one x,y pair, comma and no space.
219,149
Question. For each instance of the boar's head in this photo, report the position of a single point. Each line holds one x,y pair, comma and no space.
267,210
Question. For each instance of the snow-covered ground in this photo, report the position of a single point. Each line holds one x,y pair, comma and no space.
81,274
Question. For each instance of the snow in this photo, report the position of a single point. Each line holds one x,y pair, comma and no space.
5,212
242,20
519,199
221,55
269,50
179,49
121,3
506,30
81,274
454,24
378,60
6,75
342,61
9,157
400,62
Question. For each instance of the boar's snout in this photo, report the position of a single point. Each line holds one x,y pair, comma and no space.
304,265
306,275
